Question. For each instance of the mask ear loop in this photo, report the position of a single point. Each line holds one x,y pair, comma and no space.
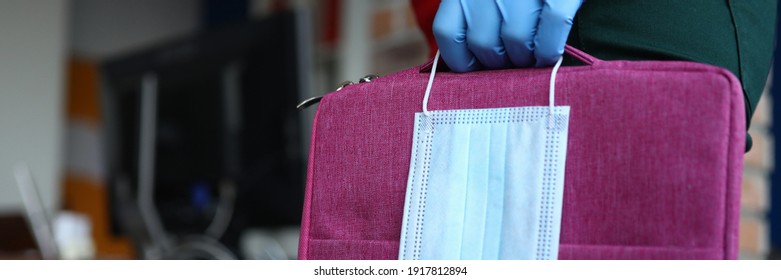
430,83
552,91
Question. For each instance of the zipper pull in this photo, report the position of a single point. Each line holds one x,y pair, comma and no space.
314,100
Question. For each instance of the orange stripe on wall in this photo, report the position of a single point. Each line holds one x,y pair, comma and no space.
83,90
90,198
84,194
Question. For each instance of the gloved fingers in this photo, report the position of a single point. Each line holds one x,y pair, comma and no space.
519,26
484,24
555,23
450,33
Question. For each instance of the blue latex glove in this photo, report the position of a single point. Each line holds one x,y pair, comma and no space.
496,34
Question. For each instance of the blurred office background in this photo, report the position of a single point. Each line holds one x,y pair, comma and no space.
168,129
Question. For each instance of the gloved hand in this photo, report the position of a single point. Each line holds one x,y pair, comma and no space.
495,34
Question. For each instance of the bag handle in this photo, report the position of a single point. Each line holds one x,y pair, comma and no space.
580,55
570,50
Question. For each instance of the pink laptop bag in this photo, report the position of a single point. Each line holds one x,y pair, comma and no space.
653,171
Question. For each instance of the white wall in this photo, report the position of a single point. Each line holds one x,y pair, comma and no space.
101,28
36,37
32,56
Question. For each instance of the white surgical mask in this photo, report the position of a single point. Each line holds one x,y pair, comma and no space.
485,183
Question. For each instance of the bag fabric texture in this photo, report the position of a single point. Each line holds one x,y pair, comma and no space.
653,170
